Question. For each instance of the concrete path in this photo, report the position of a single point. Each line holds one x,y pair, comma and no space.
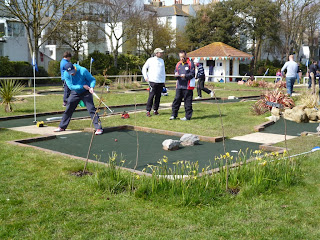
265,138
41,130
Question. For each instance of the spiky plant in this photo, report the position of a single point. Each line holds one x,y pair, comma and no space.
9,88
308,100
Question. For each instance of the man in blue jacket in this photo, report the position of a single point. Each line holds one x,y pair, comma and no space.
66,58
81,84
184,73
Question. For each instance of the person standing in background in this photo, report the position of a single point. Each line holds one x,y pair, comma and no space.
66,92
291,75
155,74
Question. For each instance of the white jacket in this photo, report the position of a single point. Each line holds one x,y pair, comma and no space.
154,70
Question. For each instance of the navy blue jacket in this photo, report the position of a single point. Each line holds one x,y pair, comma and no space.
200,73
188,69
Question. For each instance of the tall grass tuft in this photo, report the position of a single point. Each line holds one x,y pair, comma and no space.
9,88
183,183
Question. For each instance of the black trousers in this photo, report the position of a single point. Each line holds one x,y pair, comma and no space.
200,87
187,95
73,101
154,93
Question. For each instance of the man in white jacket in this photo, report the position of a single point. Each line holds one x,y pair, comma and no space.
155,74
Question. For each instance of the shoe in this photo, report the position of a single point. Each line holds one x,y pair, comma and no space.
155,112
184,119
172,118
148,114
198,97
98,132
64,104
212,94
59,129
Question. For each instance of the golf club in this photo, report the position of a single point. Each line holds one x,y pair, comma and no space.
94,94
53,118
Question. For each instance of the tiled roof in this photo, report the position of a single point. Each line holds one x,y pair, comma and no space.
218,49
171,11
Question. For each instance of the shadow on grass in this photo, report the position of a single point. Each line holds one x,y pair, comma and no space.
209,116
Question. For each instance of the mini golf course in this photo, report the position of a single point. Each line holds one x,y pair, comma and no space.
123,141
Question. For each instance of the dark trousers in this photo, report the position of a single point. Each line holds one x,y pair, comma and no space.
66,92
187,95
72,104
200,87
154,93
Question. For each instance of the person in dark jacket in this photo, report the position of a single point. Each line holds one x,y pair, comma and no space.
312,76
185,73
201,79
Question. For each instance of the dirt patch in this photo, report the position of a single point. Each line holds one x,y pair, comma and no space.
81,173
233,191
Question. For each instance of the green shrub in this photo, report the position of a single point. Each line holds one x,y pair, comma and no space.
6,69
100,80
54,68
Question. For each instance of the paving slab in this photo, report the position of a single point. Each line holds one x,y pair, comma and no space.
266,138
42,130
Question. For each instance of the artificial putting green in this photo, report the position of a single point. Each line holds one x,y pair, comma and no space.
293,128
150,148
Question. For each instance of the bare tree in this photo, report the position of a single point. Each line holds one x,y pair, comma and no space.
313,28
36,16
151,34
77,28
119,16
293,24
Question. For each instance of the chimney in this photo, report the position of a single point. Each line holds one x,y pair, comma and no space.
157,3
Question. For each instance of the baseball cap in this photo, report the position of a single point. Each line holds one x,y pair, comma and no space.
69,68
158,50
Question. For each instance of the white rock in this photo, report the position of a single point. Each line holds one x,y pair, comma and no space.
170,144
189,140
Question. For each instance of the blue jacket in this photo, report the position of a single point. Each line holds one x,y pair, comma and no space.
188,69
82,77
62,63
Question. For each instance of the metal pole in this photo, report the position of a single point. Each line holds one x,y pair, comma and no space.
34,86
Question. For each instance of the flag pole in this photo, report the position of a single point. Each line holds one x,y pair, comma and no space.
34,86
90,64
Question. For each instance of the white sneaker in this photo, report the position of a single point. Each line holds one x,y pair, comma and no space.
198,97
172,118
98,132
59,129
212,94
184,119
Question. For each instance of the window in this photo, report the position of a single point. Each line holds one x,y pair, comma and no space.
169,21
15,29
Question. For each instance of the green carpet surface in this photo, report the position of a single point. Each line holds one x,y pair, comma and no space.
150,148
293,128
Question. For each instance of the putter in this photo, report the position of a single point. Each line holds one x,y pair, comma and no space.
94,94
53,118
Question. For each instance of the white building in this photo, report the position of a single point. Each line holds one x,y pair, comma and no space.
219,60
13,39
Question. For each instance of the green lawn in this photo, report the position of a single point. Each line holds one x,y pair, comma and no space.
41,200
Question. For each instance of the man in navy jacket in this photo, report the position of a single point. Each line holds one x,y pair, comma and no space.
185,73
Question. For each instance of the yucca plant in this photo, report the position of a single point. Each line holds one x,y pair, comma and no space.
9,88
